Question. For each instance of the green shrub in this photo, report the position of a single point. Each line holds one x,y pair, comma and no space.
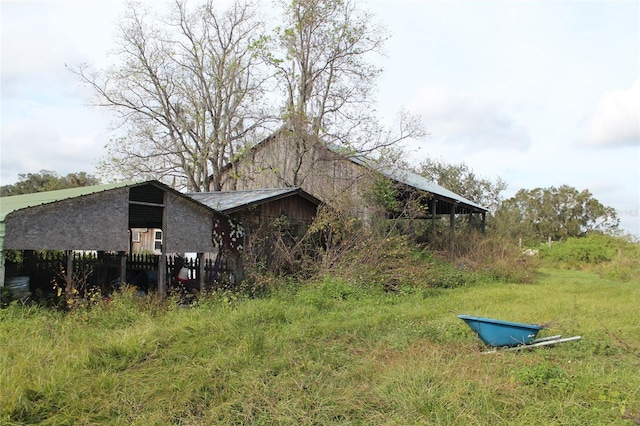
591,249
486,258
611,257
620,269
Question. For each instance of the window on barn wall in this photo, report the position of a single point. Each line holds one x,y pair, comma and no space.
157,241
135,236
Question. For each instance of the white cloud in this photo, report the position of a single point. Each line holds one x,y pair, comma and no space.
64,138
616,121
472,120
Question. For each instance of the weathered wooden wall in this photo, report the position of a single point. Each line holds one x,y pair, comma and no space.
147,241
188,226
297,210
97,221
322,173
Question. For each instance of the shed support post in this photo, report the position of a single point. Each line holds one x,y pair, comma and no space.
162,275
433,217
484,223
201,274
2,270
162,263
122,257
452,219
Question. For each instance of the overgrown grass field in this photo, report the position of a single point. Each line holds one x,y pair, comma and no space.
327,353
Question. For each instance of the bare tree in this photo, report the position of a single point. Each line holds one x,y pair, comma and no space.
187,90
324,69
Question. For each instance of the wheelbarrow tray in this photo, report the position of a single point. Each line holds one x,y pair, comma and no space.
498,333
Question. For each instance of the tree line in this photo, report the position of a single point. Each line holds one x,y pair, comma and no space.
47,180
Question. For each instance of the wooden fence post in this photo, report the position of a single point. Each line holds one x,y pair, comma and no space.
162,263
123,267
201,273
69,271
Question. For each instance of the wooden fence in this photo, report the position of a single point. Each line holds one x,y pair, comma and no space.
99,269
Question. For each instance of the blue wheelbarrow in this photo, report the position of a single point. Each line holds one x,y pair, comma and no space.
511,335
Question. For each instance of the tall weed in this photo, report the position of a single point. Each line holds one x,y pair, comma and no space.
490,258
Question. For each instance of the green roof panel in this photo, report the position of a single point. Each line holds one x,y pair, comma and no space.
18,202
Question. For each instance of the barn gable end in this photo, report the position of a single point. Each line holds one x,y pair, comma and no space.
273,163
96,221
101,218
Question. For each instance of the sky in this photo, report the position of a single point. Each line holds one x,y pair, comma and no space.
536,93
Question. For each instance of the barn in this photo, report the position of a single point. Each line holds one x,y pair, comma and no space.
332,174
100,219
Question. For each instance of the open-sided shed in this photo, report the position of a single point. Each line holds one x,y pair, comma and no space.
333,174
100,218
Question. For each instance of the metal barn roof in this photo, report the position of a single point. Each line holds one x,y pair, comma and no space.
418,182
231,201
18,202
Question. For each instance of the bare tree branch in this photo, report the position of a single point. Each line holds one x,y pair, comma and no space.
187,90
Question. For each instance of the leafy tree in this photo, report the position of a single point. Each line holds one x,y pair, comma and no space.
460,179
558,213
188,89
324,71
321,60
46,180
